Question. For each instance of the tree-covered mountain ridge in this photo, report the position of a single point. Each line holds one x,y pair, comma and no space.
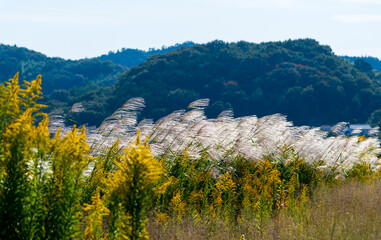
57,72
65,74
129,57
299,78
373,61
65,82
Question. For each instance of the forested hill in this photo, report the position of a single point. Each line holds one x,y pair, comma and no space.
299,78
57,73
132,57
66,81
374,62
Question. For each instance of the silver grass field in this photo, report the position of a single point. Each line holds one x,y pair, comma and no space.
226,137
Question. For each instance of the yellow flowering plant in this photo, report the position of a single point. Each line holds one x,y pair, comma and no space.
40,178
130,188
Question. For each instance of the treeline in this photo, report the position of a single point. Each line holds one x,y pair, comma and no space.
374,62
58,73
129,57
301,79
66,82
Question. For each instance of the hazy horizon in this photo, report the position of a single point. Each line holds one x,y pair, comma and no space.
165,46
86,29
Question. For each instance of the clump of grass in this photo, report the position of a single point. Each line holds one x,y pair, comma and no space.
351,210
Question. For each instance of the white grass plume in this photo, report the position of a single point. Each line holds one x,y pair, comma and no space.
226,137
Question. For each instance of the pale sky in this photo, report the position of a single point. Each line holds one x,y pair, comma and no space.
89,28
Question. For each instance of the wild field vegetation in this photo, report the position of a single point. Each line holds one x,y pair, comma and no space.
191,178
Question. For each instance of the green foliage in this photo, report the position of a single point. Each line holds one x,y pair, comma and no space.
59,73
375,118
40,177
66,80
104,164
132,57
129,190
360,171
46,192
258,79
374,62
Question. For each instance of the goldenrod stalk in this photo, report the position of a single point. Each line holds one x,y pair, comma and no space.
130,188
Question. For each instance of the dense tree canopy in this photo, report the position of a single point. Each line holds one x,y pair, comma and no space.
132,57
300,78
57,73
374,62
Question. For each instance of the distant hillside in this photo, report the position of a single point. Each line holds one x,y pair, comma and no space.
56,73
132,57
65,82
374,62
299,78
